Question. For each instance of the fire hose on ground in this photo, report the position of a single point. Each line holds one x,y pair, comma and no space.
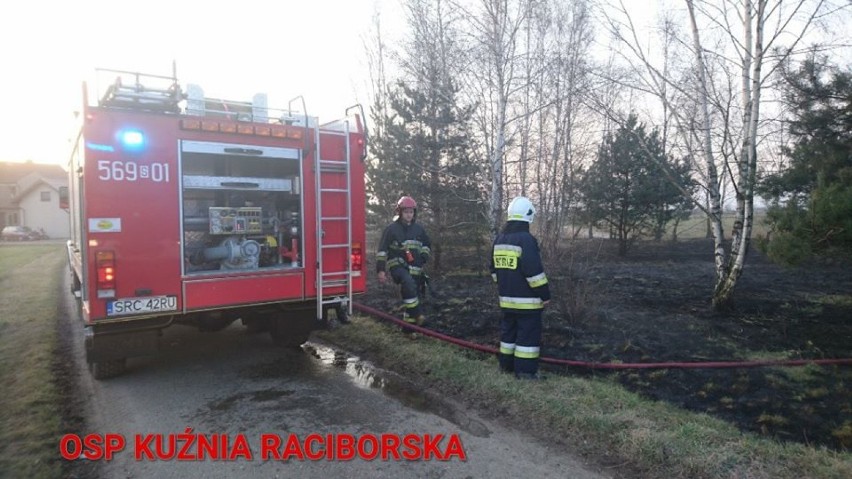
593,365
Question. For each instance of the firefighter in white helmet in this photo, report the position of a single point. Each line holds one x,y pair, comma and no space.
403,251
523,290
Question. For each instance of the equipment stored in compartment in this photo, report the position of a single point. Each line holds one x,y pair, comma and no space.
228,221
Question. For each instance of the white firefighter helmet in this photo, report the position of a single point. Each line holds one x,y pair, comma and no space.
521,209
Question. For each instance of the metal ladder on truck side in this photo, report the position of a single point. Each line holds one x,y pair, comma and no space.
333,279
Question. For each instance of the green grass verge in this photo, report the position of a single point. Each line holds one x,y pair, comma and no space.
30,416
595,417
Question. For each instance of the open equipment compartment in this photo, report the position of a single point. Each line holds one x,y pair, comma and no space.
242,208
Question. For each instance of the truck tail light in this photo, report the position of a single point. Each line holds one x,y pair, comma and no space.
356,256
362,148
105,264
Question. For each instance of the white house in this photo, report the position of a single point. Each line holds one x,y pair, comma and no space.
29,196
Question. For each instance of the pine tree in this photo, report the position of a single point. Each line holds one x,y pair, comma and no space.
626,190
425,153
811,200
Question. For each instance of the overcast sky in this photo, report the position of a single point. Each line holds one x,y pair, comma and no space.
285,48
232,50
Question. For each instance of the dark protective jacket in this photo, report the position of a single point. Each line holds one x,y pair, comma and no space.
516,266
400,239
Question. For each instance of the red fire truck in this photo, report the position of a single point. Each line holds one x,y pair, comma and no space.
194,210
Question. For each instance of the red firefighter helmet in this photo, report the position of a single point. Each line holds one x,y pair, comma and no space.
405,202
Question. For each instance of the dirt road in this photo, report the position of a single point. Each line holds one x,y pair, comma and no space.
231,383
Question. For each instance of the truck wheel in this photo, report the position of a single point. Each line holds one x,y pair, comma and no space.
255,325
335,317
108,369
215,322
292,331
342,314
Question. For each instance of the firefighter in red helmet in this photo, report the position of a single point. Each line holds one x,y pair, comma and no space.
403,251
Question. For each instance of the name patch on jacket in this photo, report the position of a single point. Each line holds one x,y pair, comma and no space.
506,256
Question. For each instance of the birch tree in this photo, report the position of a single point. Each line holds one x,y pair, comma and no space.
752,46
562,83
495,27
381,193
740,37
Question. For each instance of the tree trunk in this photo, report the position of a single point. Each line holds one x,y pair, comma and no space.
715,216
497,170
747,165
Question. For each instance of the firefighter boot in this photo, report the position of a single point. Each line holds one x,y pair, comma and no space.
418,321
410,320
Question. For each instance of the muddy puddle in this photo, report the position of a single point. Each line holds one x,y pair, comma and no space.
366,375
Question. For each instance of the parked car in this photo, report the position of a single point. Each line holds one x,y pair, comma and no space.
20,233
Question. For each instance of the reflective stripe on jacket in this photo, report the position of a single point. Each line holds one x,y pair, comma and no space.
516,266
398,238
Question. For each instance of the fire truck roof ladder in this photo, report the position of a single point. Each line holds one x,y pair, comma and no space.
140,91
326,279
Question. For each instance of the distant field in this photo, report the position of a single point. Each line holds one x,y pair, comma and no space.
696,226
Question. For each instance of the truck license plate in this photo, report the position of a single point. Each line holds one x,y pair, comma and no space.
146,304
